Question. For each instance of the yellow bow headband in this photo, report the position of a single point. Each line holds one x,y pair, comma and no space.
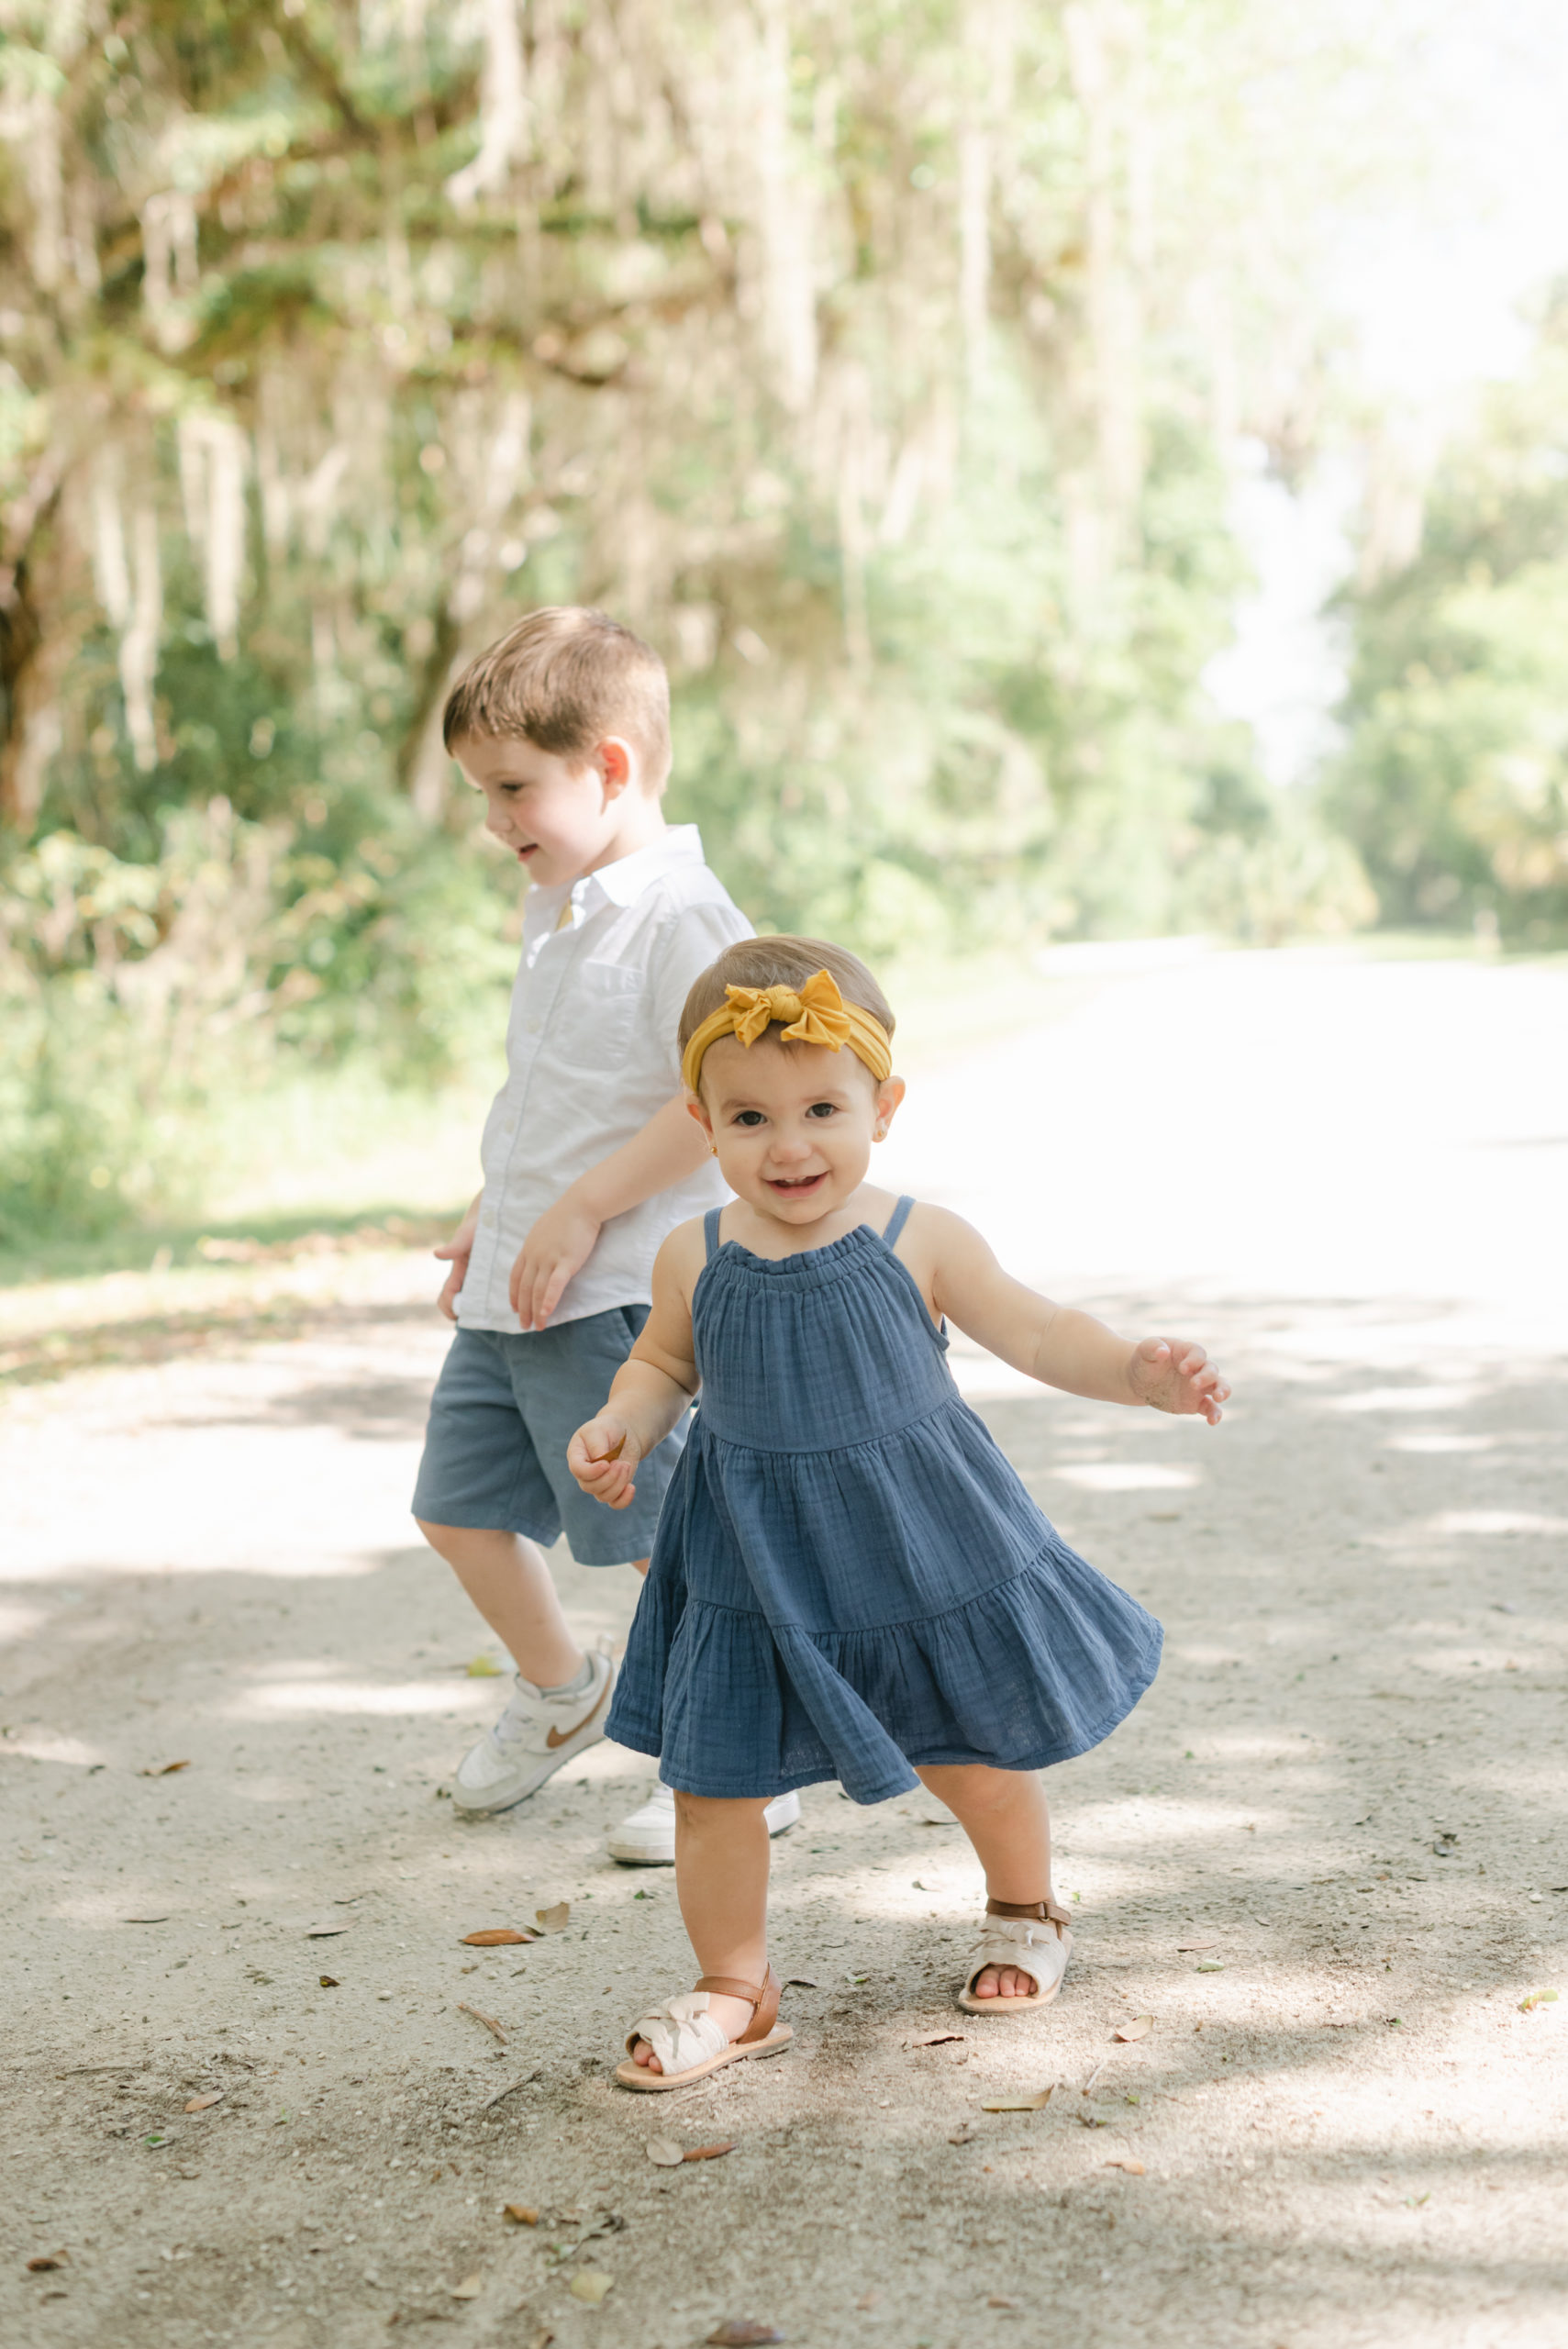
816,1015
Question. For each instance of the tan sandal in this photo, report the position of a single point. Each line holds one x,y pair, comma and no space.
1030,1936
690,2044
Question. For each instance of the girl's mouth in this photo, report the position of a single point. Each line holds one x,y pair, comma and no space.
795,1187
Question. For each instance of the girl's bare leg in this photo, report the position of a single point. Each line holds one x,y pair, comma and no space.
721,1875
1006,1817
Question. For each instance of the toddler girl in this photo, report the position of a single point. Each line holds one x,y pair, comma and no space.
848,1580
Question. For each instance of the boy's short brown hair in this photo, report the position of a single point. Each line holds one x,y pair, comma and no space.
565,677
782,963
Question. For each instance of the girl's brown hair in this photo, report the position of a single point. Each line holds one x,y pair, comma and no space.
782,963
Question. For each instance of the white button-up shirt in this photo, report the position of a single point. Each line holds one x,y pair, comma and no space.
591,1055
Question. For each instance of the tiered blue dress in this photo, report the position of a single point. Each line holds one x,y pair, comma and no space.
848,1576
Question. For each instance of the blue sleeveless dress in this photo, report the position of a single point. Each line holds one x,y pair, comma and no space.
849,1575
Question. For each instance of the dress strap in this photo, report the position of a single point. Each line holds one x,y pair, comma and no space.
898,1219
710,1232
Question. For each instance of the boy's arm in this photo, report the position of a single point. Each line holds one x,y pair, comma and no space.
669,1147
1055,1343
652,1387
456,1253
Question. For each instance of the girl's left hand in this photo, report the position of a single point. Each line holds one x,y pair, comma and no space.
1175,1375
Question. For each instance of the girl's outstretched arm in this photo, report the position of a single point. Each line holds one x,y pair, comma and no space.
1055,1343
652,1387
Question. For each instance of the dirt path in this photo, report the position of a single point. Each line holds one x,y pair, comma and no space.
1347,1786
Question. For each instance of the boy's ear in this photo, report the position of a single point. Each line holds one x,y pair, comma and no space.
616,763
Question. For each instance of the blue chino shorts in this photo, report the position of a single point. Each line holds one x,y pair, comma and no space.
505,1407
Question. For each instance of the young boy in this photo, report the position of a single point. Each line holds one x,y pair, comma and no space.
589,1160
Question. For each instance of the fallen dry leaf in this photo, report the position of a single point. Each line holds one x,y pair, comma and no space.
592,2285
47,2263
1035,2103
999,2300
1537,1998
485,1667
1139,2028
1189,1947
161,1919
201,2103
799,1982
555,1919
497,1937
330,1930
469,2289
1209,1965
665,2153
1125,2162
162,1769
935,2038
488,2020
329,1981
742,2332
522,2214
710,2153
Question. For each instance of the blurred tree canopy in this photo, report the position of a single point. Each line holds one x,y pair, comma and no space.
877,361
1454,784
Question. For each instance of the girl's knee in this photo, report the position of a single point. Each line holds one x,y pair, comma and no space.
716,1811
973,1788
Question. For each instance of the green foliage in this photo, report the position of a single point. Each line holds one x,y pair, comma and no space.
844,354
1455,781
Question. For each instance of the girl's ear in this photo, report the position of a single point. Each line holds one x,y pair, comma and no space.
888,1095
697,1107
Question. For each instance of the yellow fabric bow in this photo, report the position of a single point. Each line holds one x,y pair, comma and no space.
815,1014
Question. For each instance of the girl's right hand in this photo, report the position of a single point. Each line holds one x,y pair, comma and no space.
603,1456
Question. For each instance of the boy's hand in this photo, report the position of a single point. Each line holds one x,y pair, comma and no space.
1175,1375
559,1245
456,1253
603,1456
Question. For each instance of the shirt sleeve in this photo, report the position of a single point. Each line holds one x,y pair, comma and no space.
688,943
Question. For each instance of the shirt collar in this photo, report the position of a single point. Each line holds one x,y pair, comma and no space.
620,883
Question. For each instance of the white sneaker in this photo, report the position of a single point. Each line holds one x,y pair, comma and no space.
534,1738
646,1840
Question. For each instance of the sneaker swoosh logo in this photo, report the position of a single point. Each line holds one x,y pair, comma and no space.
564,1736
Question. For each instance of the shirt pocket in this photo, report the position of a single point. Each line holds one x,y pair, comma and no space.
609,998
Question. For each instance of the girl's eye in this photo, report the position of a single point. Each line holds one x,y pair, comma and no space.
749,1118
822,1109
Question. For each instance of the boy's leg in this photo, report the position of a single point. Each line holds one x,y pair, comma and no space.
507,1579
1006,1817
722,1875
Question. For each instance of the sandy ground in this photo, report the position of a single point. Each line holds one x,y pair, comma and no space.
1326,1856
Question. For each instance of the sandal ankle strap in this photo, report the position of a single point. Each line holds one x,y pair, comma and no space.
1041,1912
730,1986
763,2000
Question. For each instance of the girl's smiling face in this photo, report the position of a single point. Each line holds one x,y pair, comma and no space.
793,1124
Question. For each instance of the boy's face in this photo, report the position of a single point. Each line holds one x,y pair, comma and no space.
793,1124
559,818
